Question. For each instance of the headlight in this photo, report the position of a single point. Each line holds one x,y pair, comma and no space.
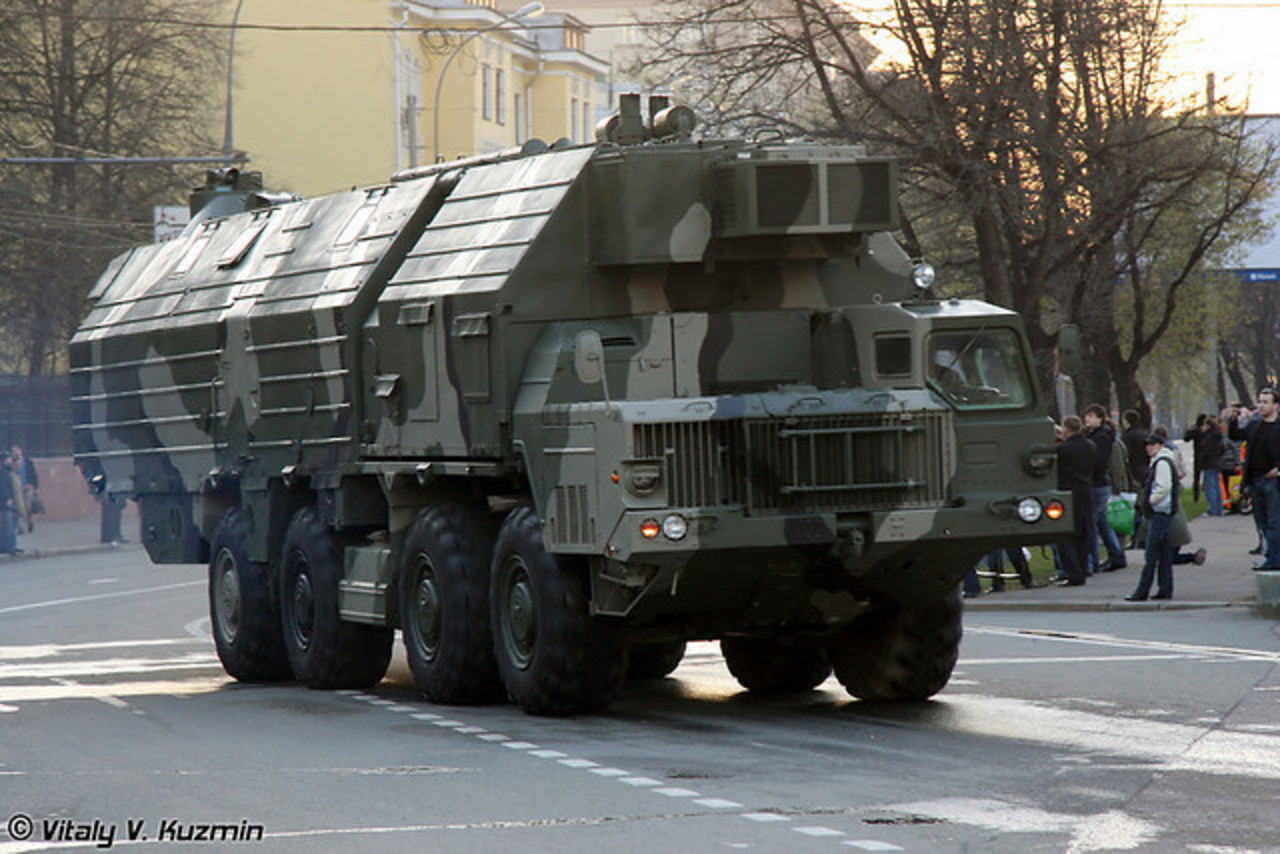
923,276
1029,510
674,527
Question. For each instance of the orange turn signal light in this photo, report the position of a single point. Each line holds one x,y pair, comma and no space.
1054,510
650,528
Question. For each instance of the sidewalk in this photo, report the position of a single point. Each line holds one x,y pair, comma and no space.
1225,580
55,537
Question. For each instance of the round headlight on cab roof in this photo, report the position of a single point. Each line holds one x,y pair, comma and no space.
923,276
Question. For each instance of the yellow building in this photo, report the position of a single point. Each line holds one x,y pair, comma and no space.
329,94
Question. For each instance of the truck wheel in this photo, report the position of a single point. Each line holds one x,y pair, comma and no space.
324,651
897,652
246,622
655,660
444,603
777,665
554,657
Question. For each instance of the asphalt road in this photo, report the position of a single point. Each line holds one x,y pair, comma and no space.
1060,731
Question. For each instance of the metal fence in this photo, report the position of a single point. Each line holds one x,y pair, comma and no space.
35,412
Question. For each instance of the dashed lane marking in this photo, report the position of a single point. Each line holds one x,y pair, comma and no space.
623,776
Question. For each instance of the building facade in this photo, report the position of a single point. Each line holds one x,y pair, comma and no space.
329,94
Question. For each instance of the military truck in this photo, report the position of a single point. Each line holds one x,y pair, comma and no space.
556,411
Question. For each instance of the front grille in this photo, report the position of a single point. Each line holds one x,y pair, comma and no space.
869,461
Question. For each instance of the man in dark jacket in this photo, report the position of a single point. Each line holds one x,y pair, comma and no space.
1262,471
1134,438
1102,437
1076,457
8,508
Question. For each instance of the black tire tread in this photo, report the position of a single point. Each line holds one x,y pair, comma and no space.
258,654
655,660
342,654
579,662
900,653
777,665
459,537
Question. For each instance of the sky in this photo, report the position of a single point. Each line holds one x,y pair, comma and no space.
1239,41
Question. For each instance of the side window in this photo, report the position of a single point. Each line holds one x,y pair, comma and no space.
893,355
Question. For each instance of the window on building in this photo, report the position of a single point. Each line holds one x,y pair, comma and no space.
587,124
486,92
500,95
575,134
519,111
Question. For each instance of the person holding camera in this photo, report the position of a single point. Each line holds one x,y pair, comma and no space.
1262,471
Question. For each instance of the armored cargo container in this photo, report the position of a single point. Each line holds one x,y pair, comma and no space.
553,413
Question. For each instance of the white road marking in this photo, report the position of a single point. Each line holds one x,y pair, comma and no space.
547,754
107,666
50,650
103,580
52,603
718,804
871,845
1174,746
520,745
610,772
492,736
34,693
579,763
1083,659
819,831
1131,643
640,781
1107,831
425,716
448,723
400,707
675,792
765,817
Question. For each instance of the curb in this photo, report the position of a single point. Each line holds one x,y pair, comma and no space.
1172,605
63,551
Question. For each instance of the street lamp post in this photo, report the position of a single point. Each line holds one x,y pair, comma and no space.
231,58
529,10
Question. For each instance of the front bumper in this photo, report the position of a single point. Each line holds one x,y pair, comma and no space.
980,524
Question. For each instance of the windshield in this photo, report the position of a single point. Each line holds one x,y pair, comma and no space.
982,369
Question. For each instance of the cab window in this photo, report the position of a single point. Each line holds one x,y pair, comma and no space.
979,369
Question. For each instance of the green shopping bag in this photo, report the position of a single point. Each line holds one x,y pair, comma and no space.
1120,515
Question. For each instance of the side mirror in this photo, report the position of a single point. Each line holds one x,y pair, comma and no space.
588,357
1070,350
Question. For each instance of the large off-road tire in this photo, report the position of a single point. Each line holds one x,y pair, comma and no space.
324,650
777,665
444,603
554,657
899,652
655,660
243,613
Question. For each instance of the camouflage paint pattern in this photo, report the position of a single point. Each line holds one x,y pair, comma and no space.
361,351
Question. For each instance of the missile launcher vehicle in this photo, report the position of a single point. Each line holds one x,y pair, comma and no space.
554,412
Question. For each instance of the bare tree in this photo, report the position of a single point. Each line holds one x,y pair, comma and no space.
1041,126
90,78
